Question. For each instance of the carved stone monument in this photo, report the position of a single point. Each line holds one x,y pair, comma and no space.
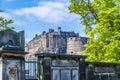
12,55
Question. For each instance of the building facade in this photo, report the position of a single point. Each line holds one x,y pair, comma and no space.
76,44
54,42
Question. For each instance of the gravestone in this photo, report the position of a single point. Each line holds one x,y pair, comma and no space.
12,55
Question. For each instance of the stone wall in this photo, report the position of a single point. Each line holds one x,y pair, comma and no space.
74,67
102,71
52,42
36,45
12,55
75,44
12,38
1,68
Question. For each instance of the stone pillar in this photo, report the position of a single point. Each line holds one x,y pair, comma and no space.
90,72
21,39
1,70
46,62
12,65
82,69
117,71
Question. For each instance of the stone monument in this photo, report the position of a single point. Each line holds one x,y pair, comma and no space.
61,67
12,64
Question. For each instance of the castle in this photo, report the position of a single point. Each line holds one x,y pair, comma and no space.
56,42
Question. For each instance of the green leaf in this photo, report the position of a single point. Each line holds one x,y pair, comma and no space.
4,23
102,25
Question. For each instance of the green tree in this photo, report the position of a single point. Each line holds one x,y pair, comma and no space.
102,26
4,23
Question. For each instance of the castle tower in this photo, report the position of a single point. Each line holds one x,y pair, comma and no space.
54,42
75,44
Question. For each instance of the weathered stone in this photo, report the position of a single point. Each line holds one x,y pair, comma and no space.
11,40
76,44
102,71
1,68
46,62
60,67
12,63
82,67
90,72
118,71
55,42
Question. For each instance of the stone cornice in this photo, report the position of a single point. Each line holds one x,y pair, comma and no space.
12,53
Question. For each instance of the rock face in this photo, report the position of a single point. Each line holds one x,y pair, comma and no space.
52,42
11,40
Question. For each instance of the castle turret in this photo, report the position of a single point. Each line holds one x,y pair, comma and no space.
56,42
59,29
75,44
51,30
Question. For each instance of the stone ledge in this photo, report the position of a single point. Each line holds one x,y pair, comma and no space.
61,56
13,53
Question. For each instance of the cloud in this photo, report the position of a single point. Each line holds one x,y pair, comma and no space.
6,15
53,12
18,23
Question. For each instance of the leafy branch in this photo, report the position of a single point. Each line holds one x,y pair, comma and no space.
4,23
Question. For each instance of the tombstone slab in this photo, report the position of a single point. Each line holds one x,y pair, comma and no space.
12,64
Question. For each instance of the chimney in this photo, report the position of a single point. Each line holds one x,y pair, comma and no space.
36,35
59,29
43,32
51,30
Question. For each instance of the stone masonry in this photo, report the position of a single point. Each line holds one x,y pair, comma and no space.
75,44
56,42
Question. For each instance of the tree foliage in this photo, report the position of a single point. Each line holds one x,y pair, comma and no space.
4,23
102,25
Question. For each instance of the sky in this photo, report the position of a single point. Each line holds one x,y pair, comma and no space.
36,16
